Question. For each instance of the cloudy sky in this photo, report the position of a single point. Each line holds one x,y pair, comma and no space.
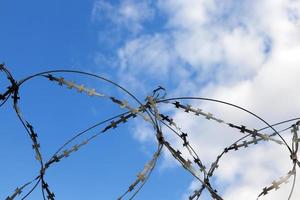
243,52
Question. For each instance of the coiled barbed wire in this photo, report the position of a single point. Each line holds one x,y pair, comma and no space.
150,113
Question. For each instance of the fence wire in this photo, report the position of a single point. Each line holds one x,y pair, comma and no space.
150,113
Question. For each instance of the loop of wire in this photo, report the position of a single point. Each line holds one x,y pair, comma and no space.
149,111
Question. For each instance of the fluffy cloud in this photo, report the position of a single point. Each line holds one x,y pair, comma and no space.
129,14
147,52
244,52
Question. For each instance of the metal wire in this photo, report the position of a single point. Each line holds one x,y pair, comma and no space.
148,111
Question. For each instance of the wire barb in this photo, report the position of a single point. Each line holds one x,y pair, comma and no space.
149,112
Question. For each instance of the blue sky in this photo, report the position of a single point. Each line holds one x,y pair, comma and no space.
39,36
237,52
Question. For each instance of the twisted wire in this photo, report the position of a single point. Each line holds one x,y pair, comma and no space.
150,113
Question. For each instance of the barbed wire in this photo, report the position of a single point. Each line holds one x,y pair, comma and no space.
149,112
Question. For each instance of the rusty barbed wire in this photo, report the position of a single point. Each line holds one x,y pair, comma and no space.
149,112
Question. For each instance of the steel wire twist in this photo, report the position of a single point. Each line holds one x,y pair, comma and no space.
149,112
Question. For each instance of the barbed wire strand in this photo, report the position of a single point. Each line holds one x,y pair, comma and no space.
150,113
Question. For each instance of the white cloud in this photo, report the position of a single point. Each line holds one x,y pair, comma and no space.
129,14
151,53
143,132
246,53
186,14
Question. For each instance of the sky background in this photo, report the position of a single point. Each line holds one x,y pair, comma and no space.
243,52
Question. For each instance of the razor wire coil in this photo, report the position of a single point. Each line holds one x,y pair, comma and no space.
150,113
